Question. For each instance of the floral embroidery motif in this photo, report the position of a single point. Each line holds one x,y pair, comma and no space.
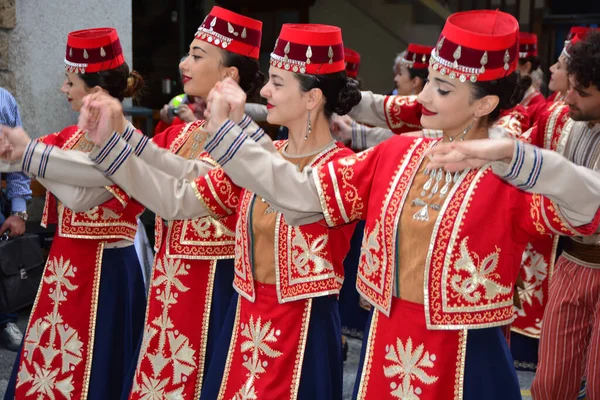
305,254
103,213
202,227
63,340
481,274
260,338
536,271
173,348
409,365
371,250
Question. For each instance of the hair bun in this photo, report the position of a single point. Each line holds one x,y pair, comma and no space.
348,97
135,84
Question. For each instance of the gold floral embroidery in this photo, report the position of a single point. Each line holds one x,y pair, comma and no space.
409,365
64,341
481,274
103,213
536,271
305,254
370,251
259,339
174,348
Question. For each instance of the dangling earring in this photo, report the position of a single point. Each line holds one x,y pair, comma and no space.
308,127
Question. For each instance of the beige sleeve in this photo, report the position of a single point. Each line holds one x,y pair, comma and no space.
364,137
165,195
164,160
370,110
575,189
263,171
168,196
78,199
257,112
53,163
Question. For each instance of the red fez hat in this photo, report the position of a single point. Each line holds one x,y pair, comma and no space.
528,45
232,32
477,45
352,62
578,31
93,50
309,49
577,34
416,56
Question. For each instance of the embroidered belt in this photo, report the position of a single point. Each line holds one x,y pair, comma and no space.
587,253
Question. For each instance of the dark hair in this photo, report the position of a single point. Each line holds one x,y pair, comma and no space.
341,93
422,73
118,82
251,79
585,61
534,60
510,90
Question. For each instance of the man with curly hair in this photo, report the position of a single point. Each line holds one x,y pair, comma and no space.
570,338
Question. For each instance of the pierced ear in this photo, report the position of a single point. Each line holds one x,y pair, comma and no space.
233,73
486,105
98,89
314,97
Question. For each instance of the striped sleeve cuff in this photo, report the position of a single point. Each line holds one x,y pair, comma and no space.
254,131
113,153
135,139
226,142
524,168
359,137
36,158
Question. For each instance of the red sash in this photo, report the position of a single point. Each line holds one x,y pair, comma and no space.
57,351
267,347
405,360
171,360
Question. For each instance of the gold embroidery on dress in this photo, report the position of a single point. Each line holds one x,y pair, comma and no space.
98,212
174,348
259,339
408,365
370,250
481,273
64,341
202,227
305,254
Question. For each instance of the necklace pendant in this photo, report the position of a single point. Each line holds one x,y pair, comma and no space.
422,215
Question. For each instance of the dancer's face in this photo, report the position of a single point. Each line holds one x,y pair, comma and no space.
404,83
203,68
448,104
75,89
287,104
559,79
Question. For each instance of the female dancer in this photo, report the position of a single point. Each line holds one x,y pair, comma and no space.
284,323
442,291
87,318
193,268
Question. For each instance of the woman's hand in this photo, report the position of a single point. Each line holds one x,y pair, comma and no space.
458,156
341,128
13,142
217,110
185,113
100,116
236,97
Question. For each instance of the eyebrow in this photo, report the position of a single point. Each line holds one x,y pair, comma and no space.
199,48
443,81
275,76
